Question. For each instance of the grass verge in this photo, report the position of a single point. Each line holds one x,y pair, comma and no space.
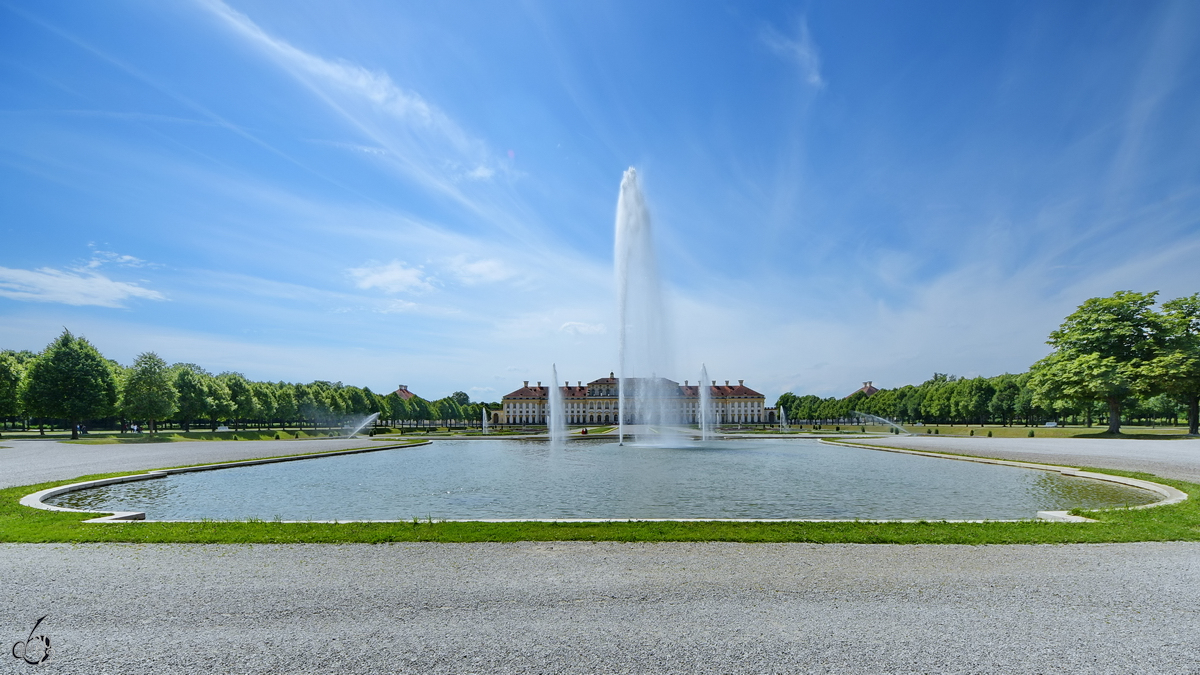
1179,522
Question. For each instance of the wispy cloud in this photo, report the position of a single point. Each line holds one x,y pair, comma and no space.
473,272
82,287
393,277
581,328
801,50
101,258
419,138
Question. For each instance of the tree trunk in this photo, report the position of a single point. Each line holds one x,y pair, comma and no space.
1193,413
74,431
1114,416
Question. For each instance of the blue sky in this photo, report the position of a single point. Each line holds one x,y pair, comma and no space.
424,193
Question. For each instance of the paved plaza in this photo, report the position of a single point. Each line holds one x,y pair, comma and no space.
573,607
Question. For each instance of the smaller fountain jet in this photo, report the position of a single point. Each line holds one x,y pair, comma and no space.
361,425
556,422
876,419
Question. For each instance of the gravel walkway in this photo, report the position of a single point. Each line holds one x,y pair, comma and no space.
607,608
25,462
1178,459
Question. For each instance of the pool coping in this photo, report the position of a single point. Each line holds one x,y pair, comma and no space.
1169,494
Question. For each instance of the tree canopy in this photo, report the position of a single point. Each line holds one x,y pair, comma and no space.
70,380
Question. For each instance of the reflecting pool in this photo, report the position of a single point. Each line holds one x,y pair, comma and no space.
505,479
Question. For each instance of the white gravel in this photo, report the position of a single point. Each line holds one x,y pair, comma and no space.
1175,458
26,462
607,608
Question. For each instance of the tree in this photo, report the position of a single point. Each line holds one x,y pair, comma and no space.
148,393
1004,401
70,380
220,404
461,398
242,396
1175,370
11,374
285,403
192,391
1099,351
971,399
265,401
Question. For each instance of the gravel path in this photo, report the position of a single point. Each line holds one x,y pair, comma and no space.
1178,459
25,462
607,608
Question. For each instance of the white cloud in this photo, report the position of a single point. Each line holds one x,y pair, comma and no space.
580,328
101,258
802,50
394,277
81,287
472,272
480,172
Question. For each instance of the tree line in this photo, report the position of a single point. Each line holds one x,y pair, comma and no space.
70,383
1122,358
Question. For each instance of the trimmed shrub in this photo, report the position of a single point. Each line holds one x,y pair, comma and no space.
276,436
972,433
1030,435
989,433
937,431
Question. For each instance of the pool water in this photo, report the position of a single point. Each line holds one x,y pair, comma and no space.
506,479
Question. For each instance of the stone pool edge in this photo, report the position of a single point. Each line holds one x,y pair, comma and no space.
35,500
1169,494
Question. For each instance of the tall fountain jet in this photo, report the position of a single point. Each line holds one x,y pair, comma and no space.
643,398
558,419
484,426
706,412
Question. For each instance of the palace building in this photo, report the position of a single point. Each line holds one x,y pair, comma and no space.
597,402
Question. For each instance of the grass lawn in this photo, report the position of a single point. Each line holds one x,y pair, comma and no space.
1178,522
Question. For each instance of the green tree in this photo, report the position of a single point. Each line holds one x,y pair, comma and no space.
1099,351
148,393
192,390
285,403
971,399
461,398
1004,401
397,407
11,374
265,401
70,380
1175,370
242,396
220,403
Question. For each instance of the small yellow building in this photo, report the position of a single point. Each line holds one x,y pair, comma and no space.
597,402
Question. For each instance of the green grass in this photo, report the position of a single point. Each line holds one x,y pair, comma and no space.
1178,522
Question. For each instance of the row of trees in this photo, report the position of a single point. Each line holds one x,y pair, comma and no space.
70,382
1117,358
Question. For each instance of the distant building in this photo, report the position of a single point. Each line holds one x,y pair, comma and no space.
867,389
597,402
403,392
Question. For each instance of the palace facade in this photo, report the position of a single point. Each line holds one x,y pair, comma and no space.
597,402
